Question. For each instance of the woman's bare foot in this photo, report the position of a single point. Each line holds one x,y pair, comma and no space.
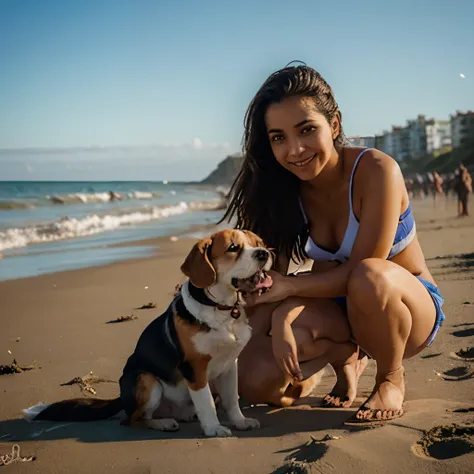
386,400
344,392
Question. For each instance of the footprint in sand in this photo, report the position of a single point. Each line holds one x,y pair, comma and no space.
300,459
445,442
466,355
463,332
463,410
457,374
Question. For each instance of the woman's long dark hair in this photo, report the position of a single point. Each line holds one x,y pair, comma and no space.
264,197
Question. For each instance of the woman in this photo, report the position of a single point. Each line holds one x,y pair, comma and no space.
307,194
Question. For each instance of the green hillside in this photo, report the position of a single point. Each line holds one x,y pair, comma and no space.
226,171
445,163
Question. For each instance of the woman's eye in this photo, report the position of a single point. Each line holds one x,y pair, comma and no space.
233,248
277,138
308,129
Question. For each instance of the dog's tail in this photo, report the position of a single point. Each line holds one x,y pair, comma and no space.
79,409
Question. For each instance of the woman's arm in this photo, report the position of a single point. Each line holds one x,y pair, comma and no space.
383,191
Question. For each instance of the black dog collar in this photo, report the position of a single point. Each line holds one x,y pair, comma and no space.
200,296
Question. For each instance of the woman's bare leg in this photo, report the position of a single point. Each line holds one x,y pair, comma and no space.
322,335
391,315
325,318
348,372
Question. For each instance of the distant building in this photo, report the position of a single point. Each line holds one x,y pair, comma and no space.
389,142
418,138
367,142
438,136
402,143
395,143
462,128
380,141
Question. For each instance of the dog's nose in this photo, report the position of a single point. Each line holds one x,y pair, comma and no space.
261,255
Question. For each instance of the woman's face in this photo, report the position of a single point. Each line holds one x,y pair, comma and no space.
301,138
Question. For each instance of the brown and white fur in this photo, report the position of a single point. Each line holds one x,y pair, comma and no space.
188,347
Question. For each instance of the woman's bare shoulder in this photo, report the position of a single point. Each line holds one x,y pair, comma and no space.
377,164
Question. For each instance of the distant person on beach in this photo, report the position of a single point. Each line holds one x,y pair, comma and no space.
420,186
369,292
448,184
463,187
437,186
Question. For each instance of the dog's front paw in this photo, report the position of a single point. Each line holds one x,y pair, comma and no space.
217,431
247,424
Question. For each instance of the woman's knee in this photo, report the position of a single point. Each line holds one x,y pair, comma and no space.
371,283
309,350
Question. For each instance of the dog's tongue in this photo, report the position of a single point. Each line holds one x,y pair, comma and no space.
266,283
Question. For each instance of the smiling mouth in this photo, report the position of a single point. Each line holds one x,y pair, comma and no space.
302,163
257,283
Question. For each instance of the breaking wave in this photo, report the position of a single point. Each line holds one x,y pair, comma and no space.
70,228
78,198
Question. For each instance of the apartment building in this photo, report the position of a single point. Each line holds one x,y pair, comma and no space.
462,128
418,138
367,142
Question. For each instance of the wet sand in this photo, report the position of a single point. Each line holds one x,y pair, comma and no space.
58,322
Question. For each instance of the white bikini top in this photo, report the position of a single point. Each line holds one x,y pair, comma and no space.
405,232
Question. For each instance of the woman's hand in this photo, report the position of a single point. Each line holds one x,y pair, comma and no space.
279,291
285,350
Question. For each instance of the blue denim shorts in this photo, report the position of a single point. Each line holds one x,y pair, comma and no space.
438,301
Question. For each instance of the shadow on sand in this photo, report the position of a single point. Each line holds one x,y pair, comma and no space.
274,422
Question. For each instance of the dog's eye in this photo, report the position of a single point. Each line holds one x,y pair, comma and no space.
232,248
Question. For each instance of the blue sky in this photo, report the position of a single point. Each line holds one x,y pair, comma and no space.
138,89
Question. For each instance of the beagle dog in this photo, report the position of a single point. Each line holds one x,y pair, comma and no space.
196,341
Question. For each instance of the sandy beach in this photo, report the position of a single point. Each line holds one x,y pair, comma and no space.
57,322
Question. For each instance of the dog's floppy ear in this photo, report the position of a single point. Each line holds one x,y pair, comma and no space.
197,266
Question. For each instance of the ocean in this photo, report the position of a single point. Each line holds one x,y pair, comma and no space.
46,227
